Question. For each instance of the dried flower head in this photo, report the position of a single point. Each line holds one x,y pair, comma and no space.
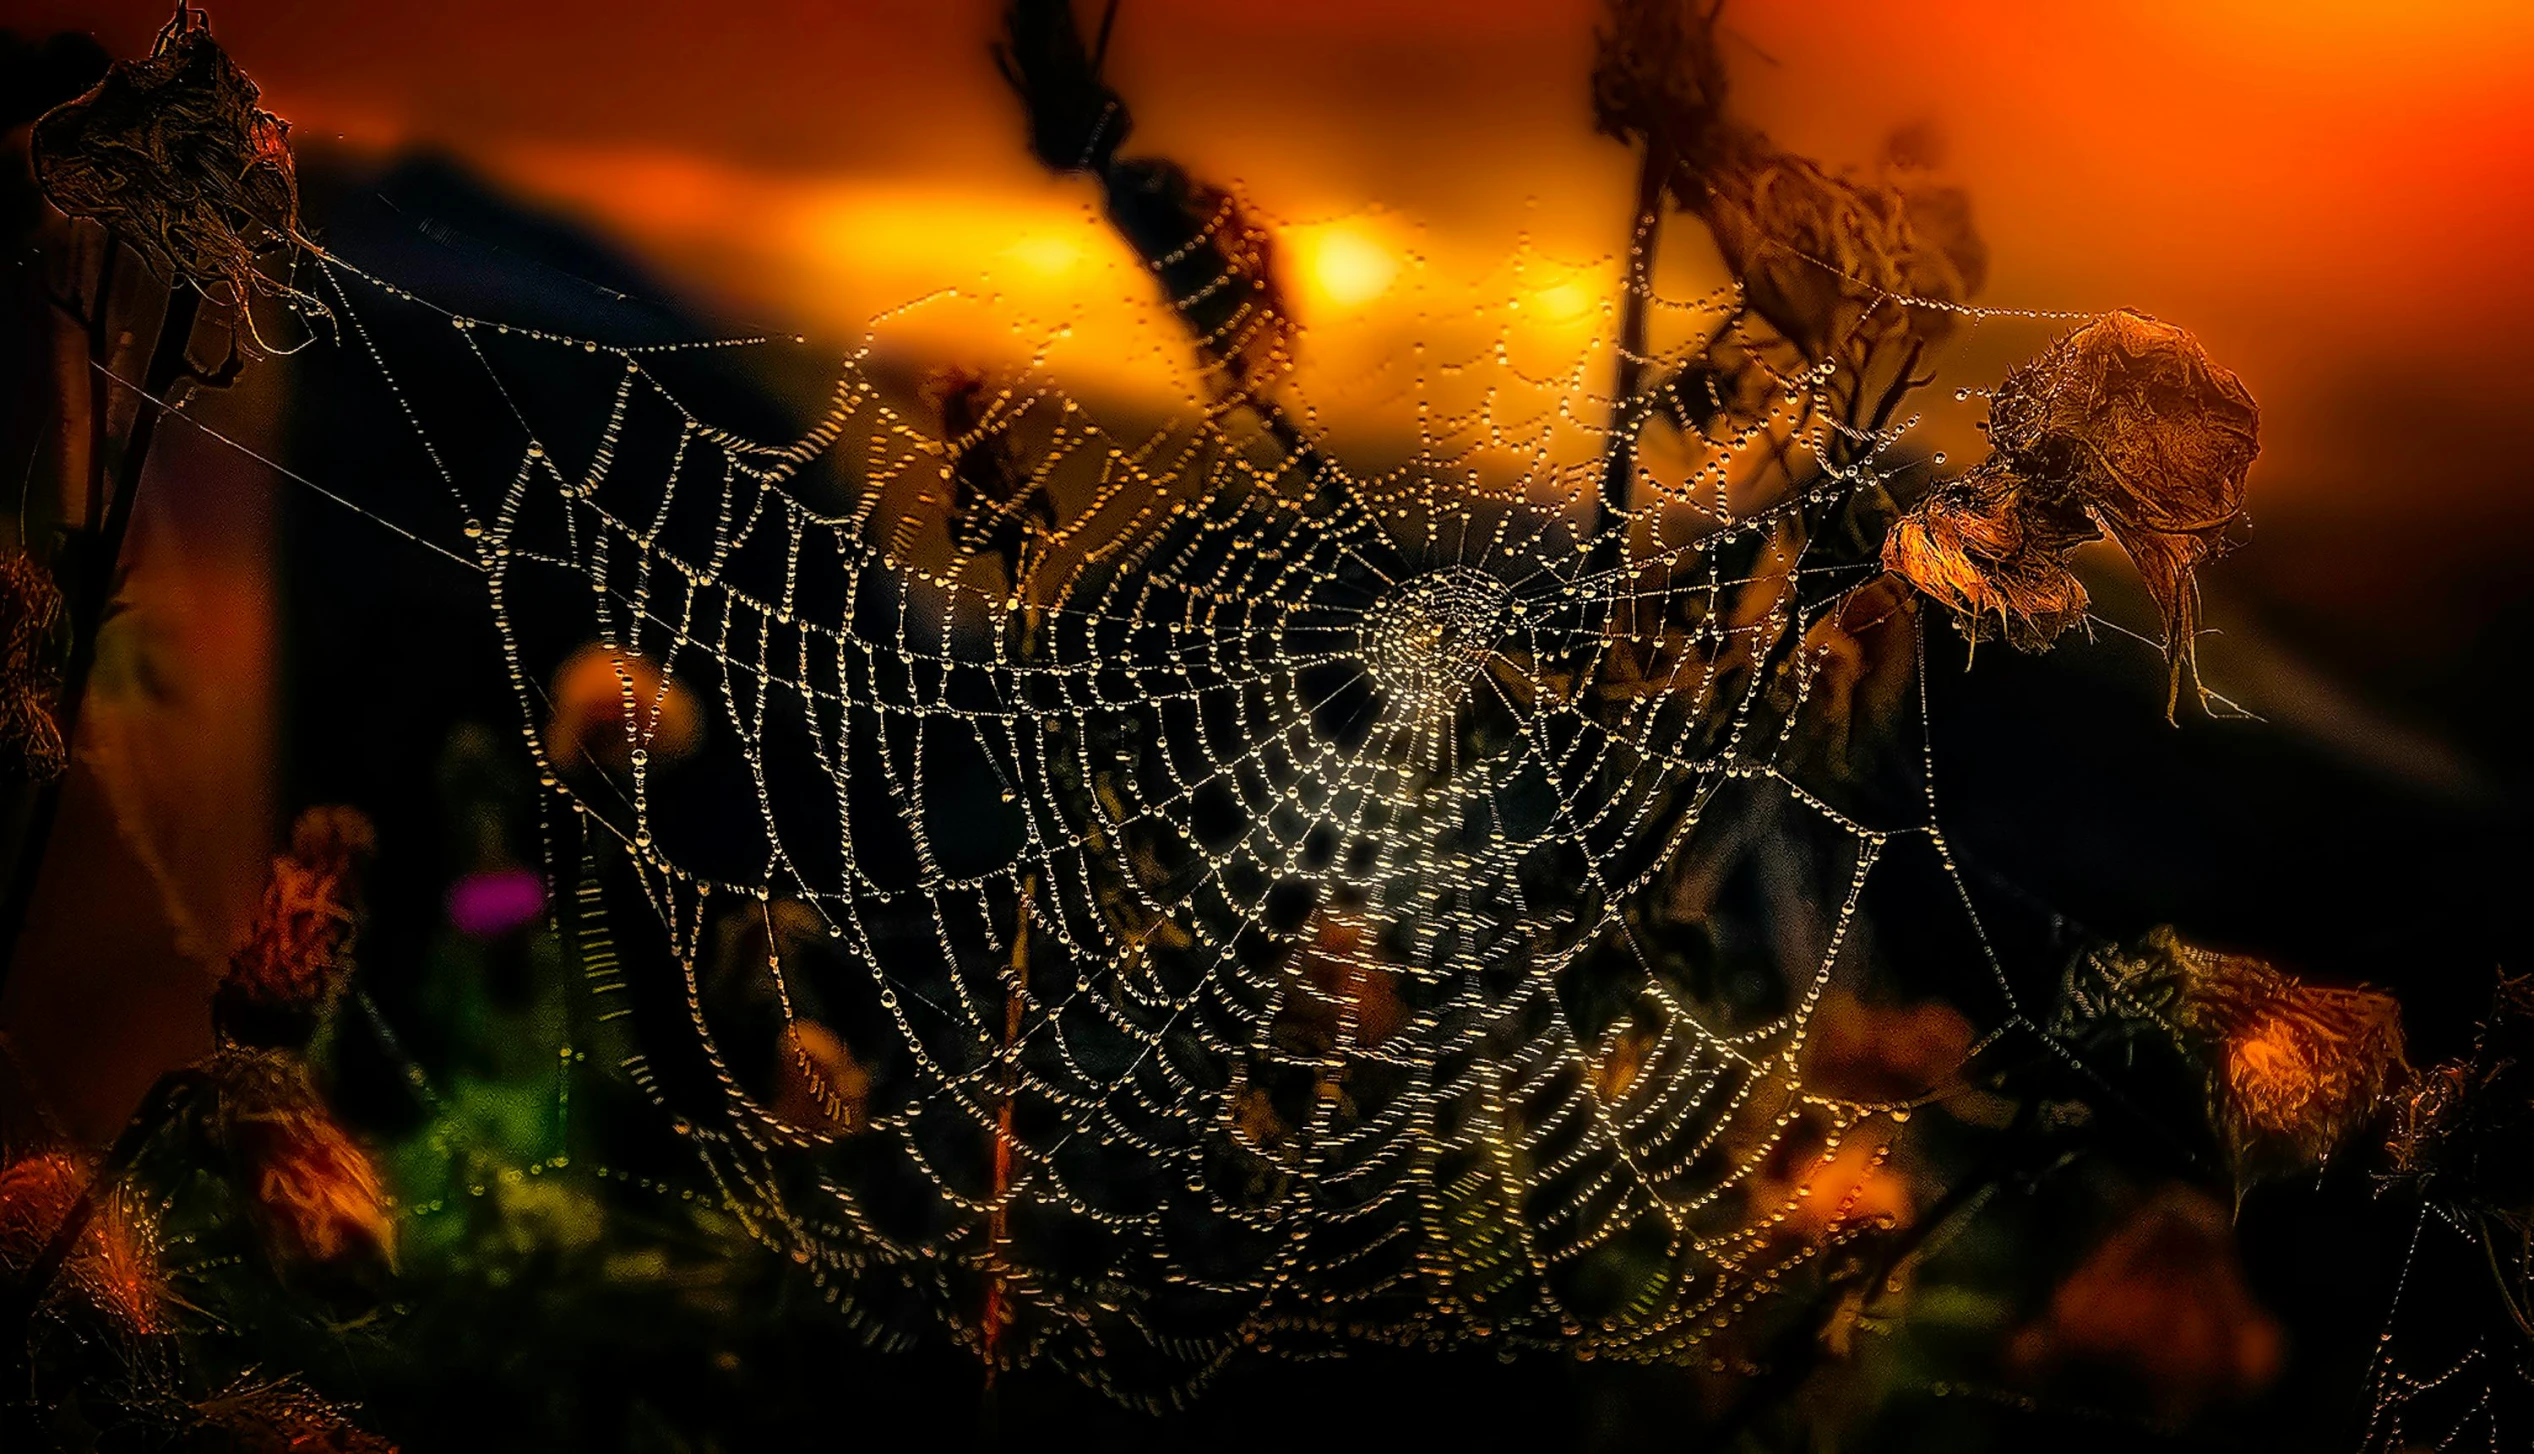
2163,1296
1978,548
2295,1071
610,703
114,1266
1822,257
1343,995
316,1198
1825,258
2123,428
171,153
284,979
1657,76
996,507
1884,1052
31,745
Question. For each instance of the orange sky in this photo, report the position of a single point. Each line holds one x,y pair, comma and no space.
2333,195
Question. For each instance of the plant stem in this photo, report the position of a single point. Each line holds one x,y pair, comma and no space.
98,553
1799,1350
1627,414
100,387
997,1220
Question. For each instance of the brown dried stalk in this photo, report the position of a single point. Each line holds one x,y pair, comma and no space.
171,153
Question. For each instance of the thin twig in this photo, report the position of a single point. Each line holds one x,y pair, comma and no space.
1627,416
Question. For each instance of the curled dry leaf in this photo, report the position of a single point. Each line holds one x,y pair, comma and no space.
2125,428
171,153
1861,662
1620,1065
1343,994
1884,1052
818,1082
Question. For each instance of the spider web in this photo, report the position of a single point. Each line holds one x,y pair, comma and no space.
2440,1381
1253,897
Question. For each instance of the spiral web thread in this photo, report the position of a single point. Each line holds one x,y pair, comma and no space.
1252,891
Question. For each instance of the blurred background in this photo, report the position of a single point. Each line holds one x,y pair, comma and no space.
2332,196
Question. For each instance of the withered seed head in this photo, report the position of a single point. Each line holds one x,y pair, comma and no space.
171,153
2295,1071
1975,546
2123,427
284,979
1822,257
1657,76
316,1198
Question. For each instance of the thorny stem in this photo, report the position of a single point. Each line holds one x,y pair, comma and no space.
97,558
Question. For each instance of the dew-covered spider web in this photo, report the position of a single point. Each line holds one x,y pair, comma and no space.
1127,876
2438,1380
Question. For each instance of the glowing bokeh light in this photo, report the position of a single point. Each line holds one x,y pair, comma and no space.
1564,302
1345,267
1046,256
